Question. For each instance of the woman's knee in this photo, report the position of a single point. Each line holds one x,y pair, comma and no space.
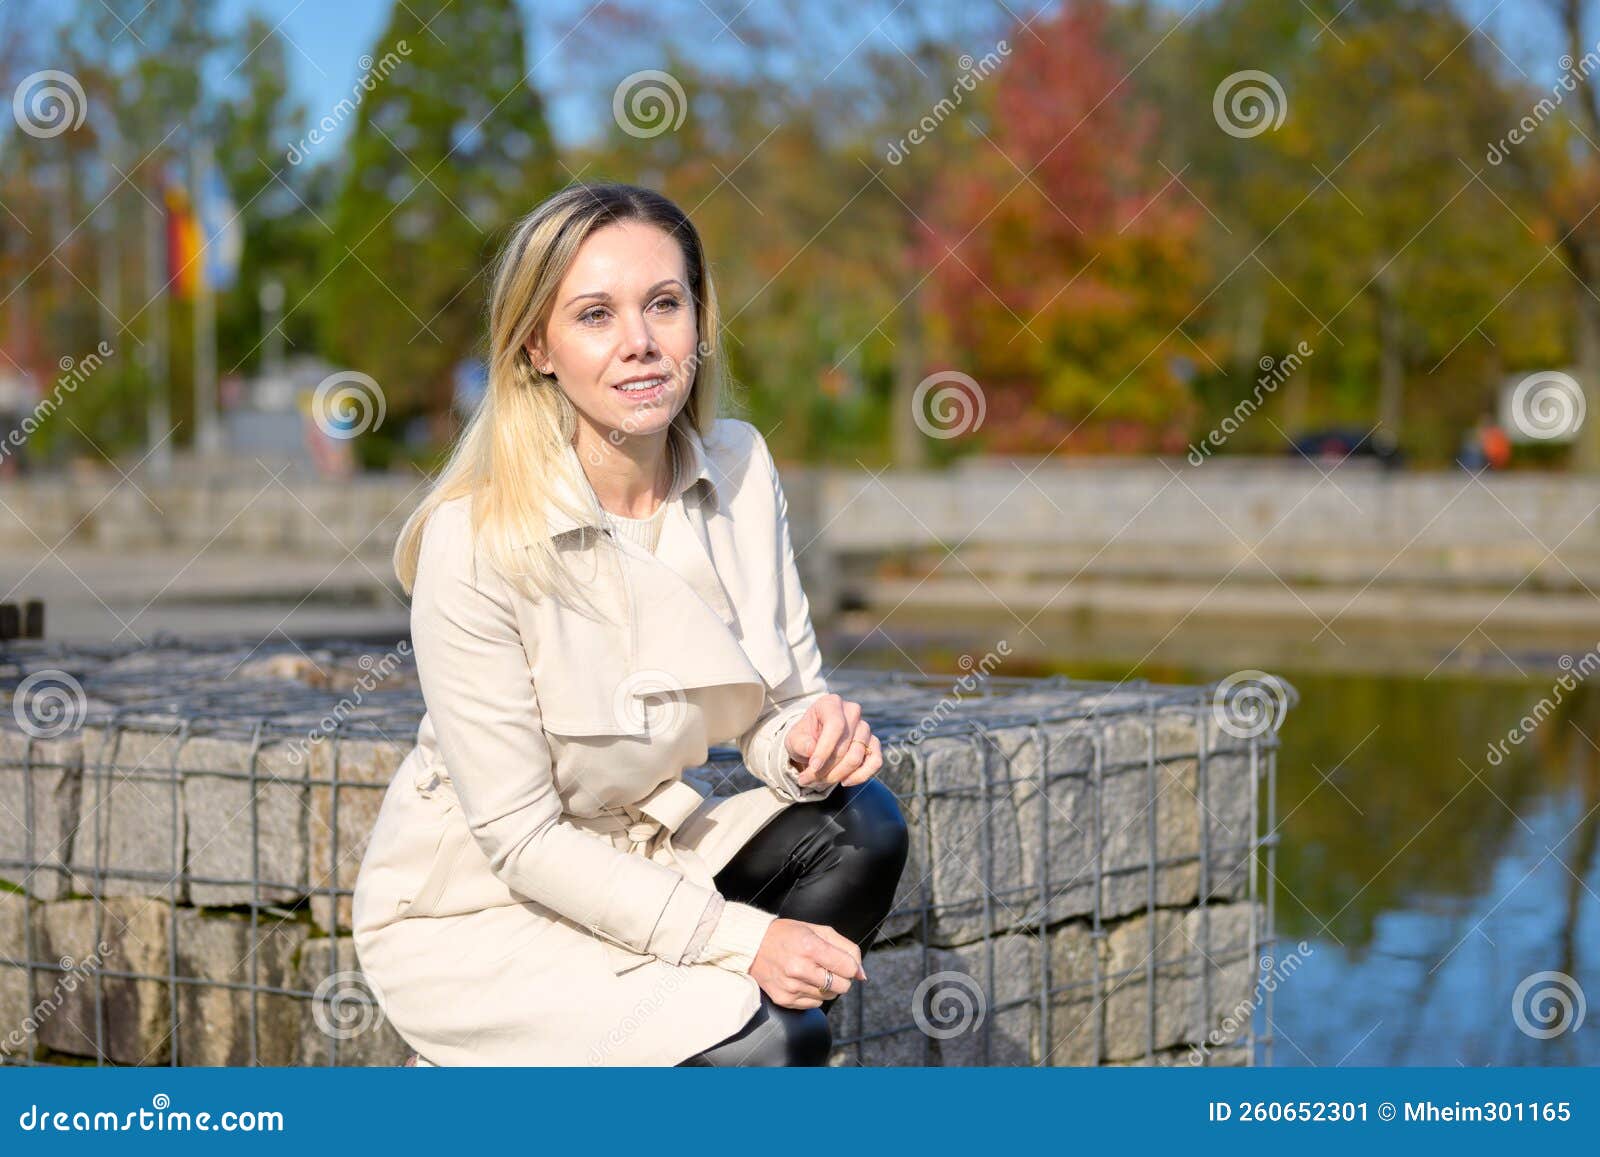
809,1037
774,1037
871,820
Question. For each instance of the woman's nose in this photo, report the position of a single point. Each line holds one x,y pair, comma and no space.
637,337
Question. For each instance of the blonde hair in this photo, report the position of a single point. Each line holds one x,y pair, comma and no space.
511,450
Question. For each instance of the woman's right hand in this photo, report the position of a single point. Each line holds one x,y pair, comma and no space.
795,957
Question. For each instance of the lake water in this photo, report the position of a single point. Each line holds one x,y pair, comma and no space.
1431,878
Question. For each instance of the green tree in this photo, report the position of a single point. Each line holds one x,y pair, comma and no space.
449,147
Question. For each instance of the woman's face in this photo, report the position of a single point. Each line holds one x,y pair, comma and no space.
623,311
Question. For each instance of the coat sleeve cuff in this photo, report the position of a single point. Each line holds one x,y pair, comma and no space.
702,931
737,936
783,770
775,766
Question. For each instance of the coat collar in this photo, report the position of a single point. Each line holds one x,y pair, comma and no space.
671,623
684,547
573,489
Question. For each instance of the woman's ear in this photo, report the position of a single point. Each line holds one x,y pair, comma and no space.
536,357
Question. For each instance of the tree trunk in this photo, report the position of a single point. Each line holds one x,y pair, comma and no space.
1586,443
908,446
1391,354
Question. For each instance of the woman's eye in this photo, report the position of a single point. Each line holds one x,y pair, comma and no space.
669,302
588,317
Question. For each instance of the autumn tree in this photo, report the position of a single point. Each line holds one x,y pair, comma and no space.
1064,264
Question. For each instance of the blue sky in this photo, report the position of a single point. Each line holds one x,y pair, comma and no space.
326,39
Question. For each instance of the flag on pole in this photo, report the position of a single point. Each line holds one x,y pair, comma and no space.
204,241
183,244
220,231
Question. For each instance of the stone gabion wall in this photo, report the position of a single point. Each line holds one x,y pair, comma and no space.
182,826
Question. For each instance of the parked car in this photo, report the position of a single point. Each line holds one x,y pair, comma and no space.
1336,443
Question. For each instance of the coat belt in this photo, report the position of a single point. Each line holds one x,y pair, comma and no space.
660,813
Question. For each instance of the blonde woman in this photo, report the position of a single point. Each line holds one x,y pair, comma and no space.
603,585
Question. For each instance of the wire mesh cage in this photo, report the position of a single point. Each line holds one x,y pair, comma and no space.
181,824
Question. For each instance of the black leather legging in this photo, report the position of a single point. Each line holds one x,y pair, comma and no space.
836,862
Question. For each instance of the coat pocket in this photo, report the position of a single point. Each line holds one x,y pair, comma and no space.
453,839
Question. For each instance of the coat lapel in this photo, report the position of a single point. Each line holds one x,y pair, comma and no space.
674,626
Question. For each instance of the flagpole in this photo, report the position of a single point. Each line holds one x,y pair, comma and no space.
208,440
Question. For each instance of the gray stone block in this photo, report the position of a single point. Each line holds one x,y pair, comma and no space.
992,1034
1229,791
1077,1001
15,1036
338,841
40,842
1056,825
214,1018
132,817
914,891
342,1021
1131,960
133,1026
1181,957
879,1013
973,841
239,835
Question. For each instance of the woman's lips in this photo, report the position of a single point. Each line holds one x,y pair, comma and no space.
648,393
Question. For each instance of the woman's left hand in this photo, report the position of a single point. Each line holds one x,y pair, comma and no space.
836,744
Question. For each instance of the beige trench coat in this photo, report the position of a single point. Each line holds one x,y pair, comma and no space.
539,869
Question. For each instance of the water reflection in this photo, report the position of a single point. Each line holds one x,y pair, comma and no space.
1431,880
